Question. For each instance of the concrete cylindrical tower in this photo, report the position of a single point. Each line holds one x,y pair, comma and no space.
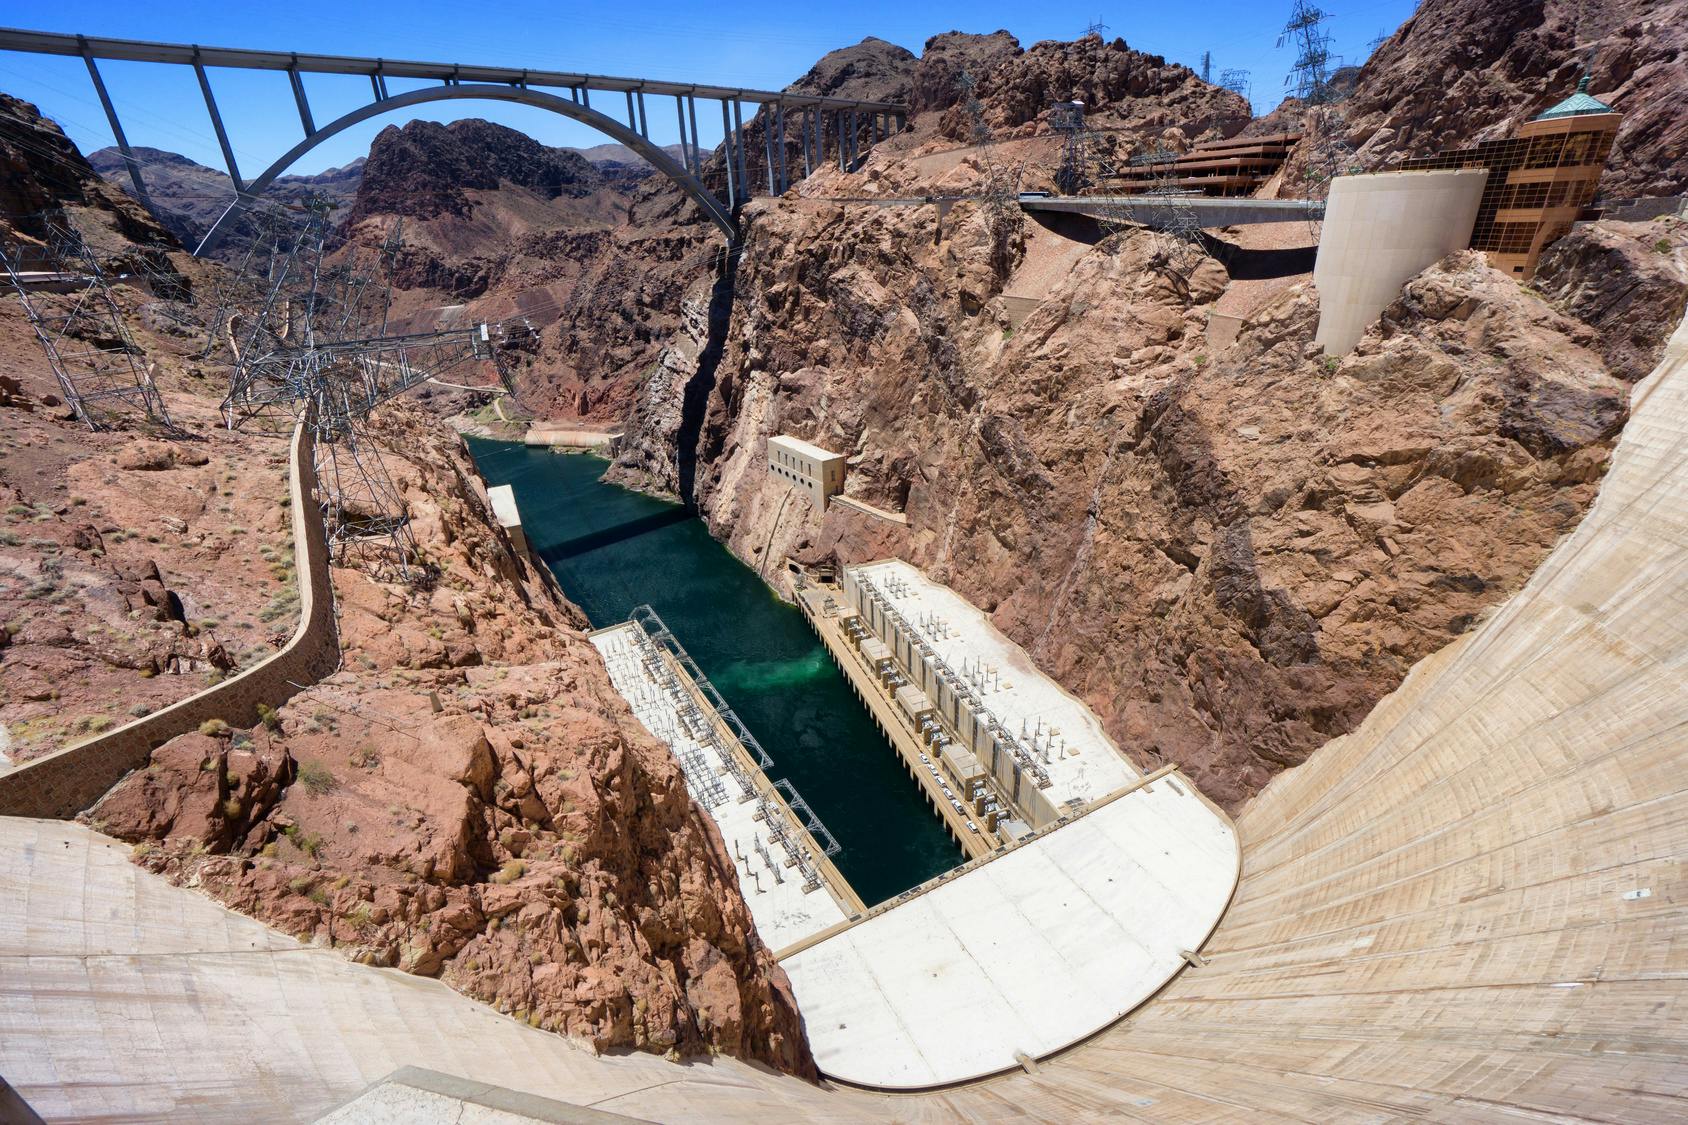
1379,231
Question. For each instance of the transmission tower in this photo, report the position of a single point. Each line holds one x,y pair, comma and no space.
1207,66
1095,27
66,295
1163,210
1236,81
1167,211
1309,77
1067,118
310,345
1327,154
1001,186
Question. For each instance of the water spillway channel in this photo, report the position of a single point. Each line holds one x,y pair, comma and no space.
613,549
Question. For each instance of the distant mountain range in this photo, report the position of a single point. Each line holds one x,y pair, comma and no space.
189,196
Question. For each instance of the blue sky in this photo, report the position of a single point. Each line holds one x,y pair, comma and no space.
759,44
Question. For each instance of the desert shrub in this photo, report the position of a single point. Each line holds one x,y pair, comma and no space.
304,841
269,716
510,872
317,778
211,728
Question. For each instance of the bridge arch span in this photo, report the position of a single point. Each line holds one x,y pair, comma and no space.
520,95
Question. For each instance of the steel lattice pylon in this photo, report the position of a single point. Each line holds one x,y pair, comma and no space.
308,340
1309,77
66,294
1067,118
1162,209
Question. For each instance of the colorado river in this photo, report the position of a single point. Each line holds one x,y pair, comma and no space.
613,549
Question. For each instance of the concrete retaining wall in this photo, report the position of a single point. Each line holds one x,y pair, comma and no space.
67,781
1379,231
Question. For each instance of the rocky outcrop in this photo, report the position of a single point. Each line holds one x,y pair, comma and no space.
1461,71
469,799
1628,281
1116,84
40,170
424,169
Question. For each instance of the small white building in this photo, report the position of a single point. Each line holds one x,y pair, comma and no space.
509,517
816,471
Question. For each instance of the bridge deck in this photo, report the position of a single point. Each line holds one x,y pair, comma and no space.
1211,212
138,50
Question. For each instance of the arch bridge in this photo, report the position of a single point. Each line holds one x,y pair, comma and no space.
825,128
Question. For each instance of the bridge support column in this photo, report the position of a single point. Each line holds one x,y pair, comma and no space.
685,149
217,124
843,154
632,114
779,147
644,122
300,100
129,161
697,148
808,150
768,147
738,130
727,155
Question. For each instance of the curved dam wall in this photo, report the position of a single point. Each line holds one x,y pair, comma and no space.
1470,908
63,783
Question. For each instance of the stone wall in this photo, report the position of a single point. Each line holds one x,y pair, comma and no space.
64,783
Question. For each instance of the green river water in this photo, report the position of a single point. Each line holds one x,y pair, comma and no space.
613,549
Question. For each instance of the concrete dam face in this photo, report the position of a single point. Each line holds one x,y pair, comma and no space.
1466,909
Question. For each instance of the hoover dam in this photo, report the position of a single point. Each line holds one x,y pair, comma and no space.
992,583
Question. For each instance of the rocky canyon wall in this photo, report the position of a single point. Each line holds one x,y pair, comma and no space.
1230,553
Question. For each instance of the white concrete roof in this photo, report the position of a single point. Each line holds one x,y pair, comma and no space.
798,445
1027,953
783,911
1083,761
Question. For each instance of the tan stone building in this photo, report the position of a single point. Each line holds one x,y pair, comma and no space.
1540,181
817,472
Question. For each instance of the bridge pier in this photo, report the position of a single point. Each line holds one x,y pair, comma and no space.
738,132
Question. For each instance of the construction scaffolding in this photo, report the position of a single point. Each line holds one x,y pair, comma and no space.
67,296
